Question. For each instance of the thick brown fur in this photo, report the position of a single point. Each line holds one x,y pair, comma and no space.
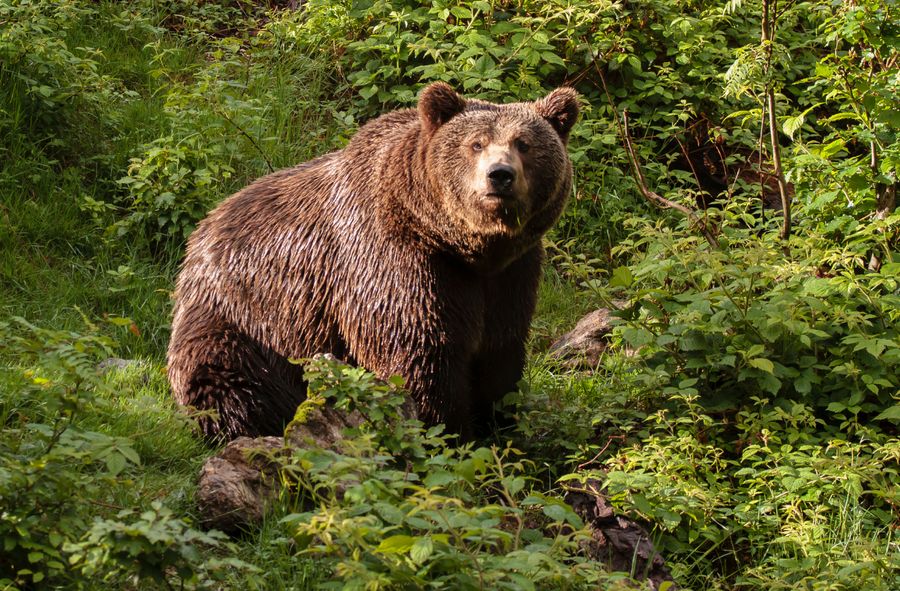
395,253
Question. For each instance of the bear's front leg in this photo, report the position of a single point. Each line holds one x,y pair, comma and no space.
509,302
495,373
441,387
426,327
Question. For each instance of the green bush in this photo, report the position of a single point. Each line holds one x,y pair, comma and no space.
744,320
774,369
398,505
54,87
172,187
761,499
56,477
156,545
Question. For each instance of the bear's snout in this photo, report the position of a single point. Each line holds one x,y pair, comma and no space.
499,173
501,178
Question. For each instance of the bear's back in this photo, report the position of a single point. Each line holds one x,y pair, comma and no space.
261,259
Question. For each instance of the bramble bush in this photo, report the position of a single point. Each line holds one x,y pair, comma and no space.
56,478
399,505
760,498
766,430
743,319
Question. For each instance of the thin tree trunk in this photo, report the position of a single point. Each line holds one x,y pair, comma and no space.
885,195
885,202
767,38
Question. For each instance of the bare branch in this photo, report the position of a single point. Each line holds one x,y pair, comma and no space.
248,136
654,197
651,196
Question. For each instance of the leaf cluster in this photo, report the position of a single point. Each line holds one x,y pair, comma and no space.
57,477
399,506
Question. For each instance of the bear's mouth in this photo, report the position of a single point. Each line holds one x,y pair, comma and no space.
503,206
498,201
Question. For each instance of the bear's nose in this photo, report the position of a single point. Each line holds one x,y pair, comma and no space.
501,177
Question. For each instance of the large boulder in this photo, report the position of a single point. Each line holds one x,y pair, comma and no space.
237,484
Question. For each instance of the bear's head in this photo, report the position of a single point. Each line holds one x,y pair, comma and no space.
501,171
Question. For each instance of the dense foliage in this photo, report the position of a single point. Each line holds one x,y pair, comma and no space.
746,409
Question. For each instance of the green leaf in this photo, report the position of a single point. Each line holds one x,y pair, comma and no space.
621,277
368,92
439,478
562,513
398,544
763,364
890,414
831,148
843,116
119,320
461,12
791,124
514,484
552,58
634,62
390,513
115,463
642,504
670,520
131,455
421,550
637,337
836,407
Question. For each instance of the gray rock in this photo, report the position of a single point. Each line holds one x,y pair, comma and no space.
238,483
582,346
117,363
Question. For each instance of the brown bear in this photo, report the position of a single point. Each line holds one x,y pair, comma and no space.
413,251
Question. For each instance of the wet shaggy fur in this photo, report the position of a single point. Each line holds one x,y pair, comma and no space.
415,251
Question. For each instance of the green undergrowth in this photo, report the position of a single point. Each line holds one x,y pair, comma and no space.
746,408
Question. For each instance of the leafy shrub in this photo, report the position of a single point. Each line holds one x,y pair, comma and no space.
52,87
154,545
56,476
845,138
764,501
398,505
744,321
172,187
774,370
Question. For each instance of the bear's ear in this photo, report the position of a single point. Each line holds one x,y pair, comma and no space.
439,103
560,109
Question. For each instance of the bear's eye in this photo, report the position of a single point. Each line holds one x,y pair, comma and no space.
522,145
477,147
